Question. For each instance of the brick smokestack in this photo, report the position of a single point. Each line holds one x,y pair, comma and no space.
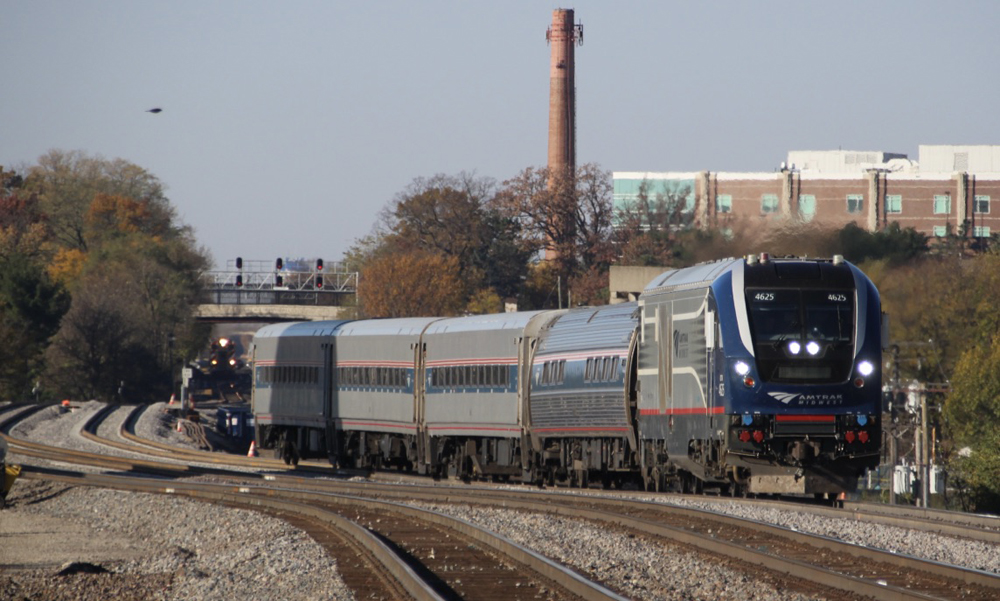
563,37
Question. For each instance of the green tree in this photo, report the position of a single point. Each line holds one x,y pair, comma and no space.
972,419
894,243
444,215
31,307
99,343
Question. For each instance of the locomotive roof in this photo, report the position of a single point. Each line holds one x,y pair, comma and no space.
480,323
689,276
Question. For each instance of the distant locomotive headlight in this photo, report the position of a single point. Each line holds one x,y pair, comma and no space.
865,368
741,368
812,347
794,347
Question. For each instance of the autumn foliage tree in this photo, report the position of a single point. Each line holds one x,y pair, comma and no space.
31,304
98,241
411,284
569,215
450,219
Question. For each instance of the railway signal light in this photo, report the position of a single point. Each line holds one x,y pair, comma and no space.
279,281
239,281
319,281
278,264
239,262
319,264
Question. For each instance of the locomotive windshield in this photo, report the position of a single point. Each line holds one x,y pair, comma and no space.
802,335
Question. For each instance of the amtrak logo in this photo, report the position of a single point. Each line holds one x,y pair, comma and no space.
807,399
784,397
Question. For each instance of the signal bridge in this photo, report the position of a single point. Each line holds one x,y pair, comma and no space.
281,290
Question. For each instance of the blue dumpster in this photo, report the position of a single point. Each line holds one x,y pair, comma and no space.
236,422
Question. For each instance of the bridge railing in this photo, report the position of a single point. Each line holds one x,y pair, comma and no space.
285,287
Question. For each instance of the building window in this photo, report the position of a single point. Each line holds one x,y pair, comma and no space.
942,204
855,203
807,207
769,203
724,203
981,231
893,203
940,231
981,205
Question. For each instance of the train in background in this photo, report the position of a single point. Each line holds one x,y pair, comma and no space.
756,375
221,372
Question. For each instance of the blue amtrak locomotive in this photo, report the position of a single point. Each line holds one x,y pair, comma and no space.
756,374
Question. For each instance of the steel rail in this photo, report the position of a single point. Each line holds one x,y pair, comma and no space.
611,512
614,511
980,527
415,586
290,501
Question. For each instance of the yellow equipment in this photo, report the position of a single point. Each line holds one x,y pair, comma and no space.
10,473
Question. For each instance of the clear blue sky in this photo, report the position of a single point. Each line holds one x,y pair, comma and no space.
287,126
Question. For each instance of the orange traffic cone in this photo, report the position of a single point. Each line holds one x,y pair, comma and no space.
179,427
253,449
172,399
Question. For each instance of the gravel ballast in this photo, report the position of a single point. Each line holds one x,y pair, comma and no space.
152,546
173,548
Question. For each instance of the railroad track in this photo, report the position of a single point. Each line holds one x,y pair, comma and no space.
973,527
851,569
391,550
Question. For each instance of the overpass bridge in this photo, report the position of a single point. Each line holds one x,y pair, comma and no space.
262,291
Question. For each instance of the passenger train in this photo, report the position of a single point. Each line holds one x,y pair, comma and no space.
750,375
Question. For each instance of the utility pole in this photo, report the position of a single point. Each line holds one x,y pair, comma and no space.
925,467
893,460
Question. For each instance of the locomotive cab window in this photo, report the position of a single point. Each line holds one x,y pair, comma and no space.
802,335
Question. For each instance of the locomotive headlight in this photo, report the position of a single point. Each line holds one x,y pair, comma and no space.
794,347
741,368
812,347
865,368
